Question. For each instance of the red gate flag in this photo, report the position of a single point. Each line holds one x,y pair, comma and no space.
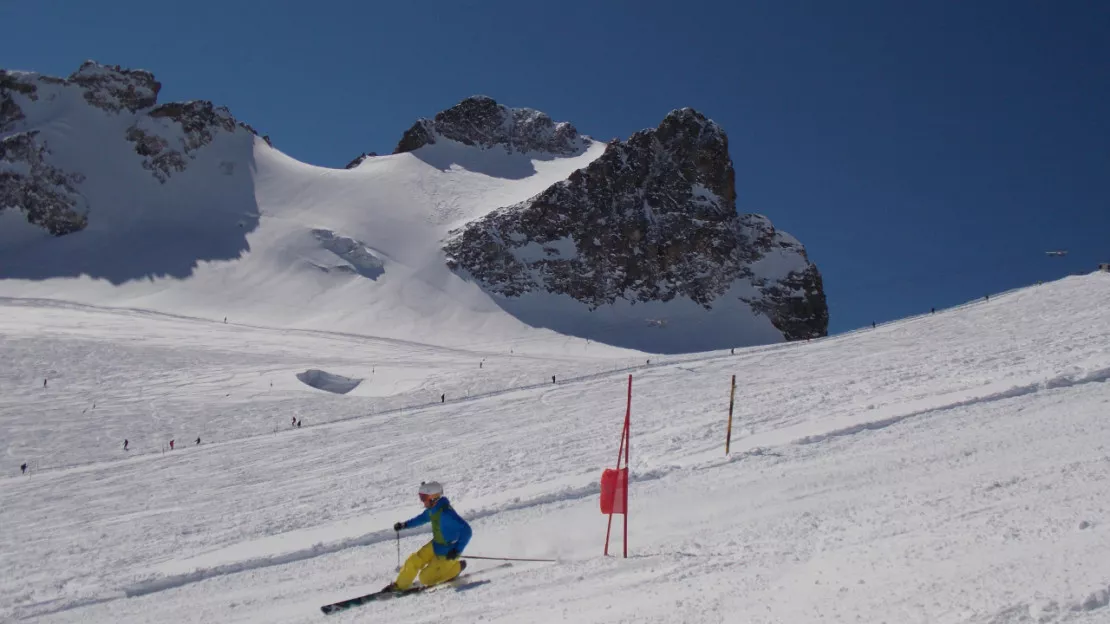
614,491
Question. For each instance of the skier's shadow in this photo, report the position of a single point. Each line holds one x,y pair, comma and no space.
471,585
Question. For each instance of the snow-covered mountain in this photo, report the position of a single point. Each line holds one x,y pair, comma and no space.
488,223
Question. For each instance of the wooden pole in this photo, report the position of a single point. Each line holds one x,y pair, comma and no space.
731,399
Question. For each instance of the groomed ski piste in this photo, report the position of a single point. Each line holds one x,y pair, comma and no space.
945,468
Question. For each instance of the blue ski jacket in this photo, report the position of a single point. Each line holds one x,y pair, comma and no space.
449,530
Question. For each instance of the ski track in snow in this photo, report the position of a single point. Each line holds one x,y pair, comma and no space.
949,468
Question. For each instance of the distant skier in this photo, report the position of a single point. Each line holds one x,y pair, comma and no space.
43,383
125,443
553,379
293,423
438,560
198,440
171,445
23,468
298,424
443,398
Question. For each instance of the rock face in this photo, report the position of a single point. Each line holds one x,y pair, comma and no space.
481,122
115,89
10,112
167,137
652,219
47,194
197,121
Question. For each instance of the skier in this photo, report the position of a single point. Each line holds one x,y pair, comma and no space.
24,467
125,443
171,445
438,560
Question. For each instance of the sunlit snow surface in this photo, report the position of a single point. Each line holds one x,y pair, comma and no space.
947,468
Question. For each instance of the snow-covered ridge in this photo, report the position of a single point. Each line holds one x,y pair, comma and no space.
481,122
179,207
166,137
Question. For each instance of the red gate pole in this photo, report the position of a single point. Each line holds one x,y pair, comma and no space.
627,450
622,453
613,498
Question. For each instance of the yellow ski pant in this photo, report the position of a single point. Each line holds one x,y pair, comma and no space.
432,569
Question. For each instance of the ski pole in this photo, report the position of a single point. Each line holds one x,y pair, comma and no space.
398,551
507,559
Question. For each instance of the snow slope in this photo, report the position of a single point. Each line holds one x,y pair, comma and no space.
946,468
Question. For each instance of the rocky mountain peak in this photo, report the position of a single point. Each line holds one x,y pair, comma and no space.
702,146
652,219
113,88
482,122
168,137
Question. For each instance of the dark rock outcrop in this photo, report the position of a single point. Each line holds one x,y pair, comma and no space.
481,122
358,161
250,128
652,219
796,304
47,195
10,112
113,88
198,120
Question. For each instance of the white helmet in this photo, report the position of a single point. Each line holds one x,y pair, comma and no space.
431,488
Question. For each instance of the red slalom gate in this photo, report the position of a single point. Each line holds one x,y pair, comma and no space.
614,482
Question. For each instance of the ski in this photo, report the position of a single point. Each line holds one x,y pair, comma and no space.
371,597
459,582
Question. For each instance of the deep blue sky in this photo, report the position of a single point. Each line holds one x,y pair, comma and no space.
925,152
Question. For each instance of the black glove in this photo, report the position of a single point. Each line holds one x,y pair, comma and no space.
398,526
453,553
